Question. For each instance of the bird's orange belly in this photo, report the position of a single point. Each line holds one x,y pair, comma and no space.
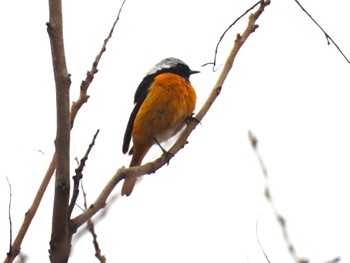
170,101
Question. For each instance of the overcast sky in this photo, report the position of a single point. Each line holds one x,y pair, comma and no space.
287,86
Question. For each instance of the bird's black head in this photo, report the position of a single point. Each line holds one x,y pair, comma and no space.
173,65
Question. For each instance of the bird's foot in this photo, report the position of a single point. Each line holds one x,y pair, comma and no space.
168,155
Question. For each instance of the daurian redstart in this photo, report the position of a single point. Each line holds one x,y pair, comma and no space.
164,100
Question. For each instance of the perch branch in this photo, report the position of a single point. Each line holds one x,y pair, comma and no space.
151,167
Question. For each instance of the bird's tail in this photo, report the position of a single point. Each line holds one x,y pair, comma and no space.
128,185
129,182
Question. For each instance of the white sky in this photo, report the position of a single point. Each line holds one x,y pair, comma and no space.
287,86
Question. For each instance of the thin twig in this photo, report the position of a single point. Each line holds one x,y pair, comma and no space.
151,167
257,238
91,229
223,35
9,214
280,219
83,97
79,174
98,254
29,215
328,37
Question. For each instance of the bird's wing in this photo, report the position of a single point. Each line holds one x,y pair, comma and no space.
140,95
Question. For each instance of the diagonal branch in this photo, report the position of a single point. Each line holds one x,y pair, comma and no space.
151,167
83,97
79,174
280,219
328,37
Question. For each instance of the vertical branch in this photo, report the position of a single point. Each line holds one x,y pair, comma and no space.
83,97
59,245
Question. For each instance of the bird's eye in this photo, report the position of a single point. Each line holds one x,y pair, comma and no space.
179,66
182,67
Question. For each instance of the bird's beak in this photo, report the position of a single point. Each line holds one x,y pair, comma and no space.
194,72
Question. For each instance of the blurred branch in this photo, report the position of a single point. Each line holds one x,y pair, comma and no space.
334,260
280,219
151,167
29,215
22,258
79,175
324,32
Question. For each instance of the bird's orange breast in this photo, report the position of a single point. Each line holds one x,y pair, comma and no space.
170,101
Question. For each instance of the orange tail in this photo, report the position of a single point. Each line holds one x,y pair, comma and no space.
128,185
138,155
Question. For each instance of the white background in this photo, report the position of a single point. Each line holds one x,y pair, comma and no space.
287,86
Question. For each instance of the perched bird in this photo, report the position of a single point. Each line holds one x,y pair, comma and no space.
164,100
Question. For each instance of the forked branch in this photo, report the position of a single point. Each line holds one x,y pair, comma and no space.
29,215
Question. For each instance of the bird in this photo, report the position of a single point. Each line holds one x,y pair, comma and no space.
163,102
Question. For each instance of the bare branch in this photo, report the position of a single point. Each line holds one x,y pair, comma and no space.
79,175
29,215
52,166
91,228
83,97
151,167
324,32
59,244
